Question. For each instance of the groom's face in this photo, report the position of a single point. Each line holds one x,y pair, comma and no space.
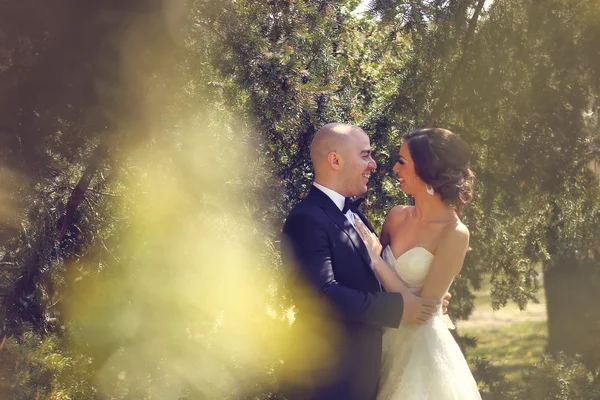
358,164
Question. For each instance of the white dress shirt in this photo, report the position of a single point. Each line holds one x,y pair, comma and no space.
338,199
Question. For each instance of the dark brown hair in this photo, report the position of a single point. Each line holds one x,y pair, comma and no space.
442,161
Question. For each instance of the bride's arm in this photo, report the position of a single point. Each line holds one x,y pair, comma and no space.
416,309
388,278
390,281
448,261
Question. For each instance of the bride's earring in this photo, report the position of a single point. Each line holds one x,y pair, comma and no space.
429,190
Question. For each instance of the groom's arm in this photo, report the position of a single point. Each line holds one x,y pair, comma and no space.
307,246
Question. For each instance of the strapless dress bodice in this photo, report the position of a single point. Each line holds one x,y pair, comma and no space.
411,266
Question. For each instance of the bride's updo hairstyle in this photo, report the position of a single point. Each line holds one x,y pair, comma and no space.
441,160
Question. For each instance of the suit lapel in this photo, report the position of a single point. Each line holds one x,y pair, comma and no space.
340,219
368,224
342,222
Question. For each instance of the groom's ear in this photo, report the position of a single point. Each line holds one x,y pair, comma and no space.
334,160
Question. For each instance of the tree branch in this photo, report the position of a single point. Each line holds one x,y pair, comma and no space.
449,89
78,193
103,193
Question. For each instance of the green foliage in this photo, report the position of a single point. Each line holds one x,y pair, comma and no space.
492,382
559,377
50,368
562,378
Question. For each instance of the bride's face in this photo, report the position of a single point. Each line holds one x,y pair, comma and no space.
405,168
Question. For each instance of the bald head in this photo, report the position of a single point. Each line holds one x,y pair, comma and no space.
331,138
341,157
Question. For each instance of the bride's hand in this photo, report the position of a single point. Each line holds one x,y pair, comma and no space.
373,244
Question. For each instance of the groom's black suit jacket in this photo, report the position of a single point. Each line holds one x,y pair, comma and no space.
340,307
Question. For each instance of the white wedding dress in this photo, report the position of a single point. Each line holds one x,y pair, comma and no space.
422,362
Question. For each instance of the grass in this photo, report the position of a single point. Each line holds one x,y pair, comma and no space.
513,348
511,339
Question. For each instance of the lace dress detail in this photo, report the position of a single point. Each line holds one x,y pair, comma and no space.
422,362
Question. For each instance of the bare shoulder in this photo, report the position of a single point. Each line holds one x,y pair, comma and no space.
398,214
453,245
456,234
394,217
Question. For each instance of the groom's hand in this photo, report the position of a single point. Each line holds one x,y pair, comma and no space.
418,310
445,303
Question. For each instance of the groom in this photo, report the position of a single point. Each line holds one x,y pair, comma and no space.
340,306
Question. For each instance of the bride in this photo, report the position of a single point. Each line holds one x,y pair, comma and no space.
424,248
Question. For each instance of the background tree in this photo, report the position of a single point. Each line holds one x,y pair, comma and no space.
518,81
530,95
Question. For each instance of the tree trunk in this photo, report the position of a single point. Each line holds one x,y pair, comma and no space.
572,287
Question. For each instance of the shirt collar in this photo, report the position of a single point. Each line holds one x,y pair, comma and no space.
337,198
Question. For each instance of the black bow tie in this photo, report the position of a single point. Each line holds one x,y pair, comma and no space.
352,205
